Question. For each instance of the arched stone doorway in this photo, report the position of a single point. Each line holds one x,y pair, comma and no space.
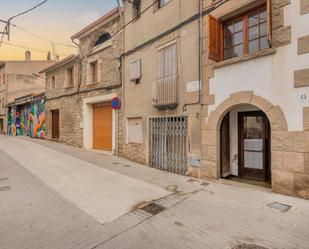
211,133
245,137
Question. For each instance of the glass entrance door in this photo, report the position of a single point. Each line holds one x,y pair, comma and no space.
253,146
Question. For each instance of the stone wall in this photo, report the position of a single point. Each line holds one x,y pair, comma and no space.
68,99
71,116
290,172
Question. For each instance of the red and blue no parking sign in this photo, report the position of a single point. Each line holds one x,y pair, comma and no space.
116,103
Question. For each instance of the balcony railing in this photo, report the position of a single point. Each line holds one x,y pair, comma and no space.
164,92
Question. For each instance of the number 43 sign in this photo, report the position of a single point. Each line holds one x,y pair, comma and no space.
303,97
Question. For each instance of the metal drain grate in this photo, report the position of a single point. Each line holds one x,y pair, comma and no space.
153,208
280,206
249,246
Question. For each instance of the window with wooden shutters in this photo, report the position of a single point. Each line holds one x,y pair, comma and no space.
243,34
215,37
167,62
165,91
135,71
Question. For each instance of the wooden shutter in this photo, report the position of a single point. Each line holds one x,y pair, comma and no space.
268,9
215,39
135,70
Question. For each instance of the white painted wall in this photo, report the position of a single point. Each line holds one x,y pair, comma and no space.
271,77
88,120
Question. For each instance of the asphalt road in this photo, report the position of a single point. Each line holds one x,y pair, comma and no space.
36,213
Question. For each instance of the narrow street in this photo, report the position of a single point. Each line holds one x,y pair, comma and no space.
56,196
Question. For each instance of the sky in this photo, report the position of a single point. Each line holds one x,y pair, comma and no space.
56,20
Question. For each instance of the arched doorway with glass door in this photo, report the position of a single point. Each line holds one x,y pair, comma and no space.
245,146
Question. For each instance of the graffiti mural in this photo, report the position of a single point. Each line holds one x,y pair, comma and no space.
28,119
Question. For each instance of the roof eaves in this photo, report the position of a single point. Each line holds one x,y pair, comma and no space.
96,23
59,63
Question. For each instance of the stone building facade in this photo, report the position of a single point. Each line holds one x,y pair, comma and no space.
245,103
78,84
268,82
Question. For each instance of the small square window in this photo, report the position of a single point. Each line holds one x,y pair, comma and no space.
94,72
53,82
136,4
135,71
163,2
70,76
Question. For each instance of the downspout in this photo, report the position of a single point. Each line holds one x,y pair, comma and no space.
121,69
79,69
200,51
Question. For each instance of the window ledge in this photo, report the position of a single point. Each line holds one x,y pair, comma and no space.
101,47
247,57
92,84
69,87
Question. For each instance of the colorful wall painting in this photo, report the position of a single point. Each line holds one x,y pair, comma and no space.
28,119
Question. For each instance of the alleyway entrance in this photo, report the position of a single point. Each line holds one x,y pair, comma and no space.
168,144
245,145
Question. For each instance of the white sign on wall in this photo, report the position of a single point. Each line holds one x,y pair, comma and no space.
193,86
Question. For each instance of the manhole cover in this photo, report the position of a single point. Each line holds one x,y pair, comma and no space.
249,246
115,163
280,206
153,208
5,188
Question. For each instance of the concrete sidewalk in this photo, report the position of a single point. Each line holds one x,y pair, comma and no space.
103,194
162,179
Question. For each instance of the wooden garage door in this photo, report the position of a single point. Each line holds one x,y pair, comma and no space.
102,126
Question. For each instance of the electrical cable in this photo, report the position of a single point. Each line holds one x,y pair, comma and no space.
15,16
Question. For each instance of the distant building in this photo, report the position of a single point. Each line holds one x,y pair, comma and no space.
79,89
18,79
26,116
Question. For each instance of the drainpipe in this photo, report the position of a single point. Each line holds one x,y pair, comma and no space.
200,51
120,11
